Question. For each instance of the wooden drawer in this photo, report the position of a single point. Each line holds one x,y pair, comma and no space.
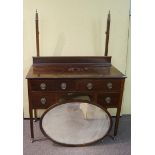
52,85
41,100
108,99
107,85
42,85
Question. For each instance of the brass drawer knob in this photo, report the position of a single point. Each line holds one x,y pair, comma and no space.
90,86
63,85
108,99
43,100
109,85
43,86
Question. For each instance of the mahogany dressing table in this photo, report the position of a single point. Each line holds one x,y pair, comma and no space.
49,78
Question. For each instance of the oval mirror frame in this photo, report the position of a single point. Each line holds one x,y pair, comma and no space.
79,102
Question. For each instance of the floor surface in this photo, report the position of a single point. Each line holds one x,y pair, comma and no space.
43,146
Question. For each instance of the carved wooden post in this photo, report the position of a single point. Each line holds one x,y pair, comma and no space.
37,33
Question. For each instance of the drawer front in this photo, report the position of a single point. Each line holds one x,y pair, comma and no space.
53,85
108,99
107,85
41,100
42,85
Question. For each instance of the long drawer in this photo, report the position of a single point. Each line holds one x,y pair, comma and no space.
107,85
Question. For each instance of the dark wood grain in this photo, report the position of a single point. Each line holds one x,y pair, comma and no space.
76,84
37,34
107,35
81,75
30,110
73,67
113,96
119,108
102,60
36,99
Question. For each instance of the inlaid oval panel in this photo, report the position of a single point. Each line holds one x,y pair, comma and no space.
75,123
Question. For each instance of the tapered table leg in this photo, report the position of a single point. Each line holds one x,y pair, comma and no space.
118,110
31,125
117,121
30,112
35,115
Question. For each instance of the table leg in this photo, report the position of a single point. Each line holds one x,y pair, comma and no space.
31,124
35,115
30,111
117,121
119,109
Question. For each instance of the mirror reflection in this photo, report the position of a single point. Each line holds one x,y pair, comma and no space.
75,123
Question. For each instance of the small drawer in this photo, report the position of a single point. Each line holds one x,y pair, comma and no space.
65,85
87,85
52,85
108,99
42,100
111,85
42,85
107,85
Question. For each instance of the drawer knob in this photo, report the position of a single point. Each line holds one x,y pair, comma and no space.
63,85
108,99
109,85
89,86
43,86
43,100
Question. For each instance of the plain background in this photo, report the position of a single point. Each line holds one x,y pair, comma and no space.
77,28
143,62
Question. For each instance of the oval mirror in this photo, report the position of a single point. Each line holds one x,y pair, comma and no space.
75,123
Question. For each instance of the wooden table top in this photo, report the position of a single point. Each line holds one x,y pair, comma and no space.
73,67
76,71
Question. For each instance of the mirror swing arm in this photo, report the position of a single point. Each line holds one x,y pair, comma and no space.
37,33
107,35
38,52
